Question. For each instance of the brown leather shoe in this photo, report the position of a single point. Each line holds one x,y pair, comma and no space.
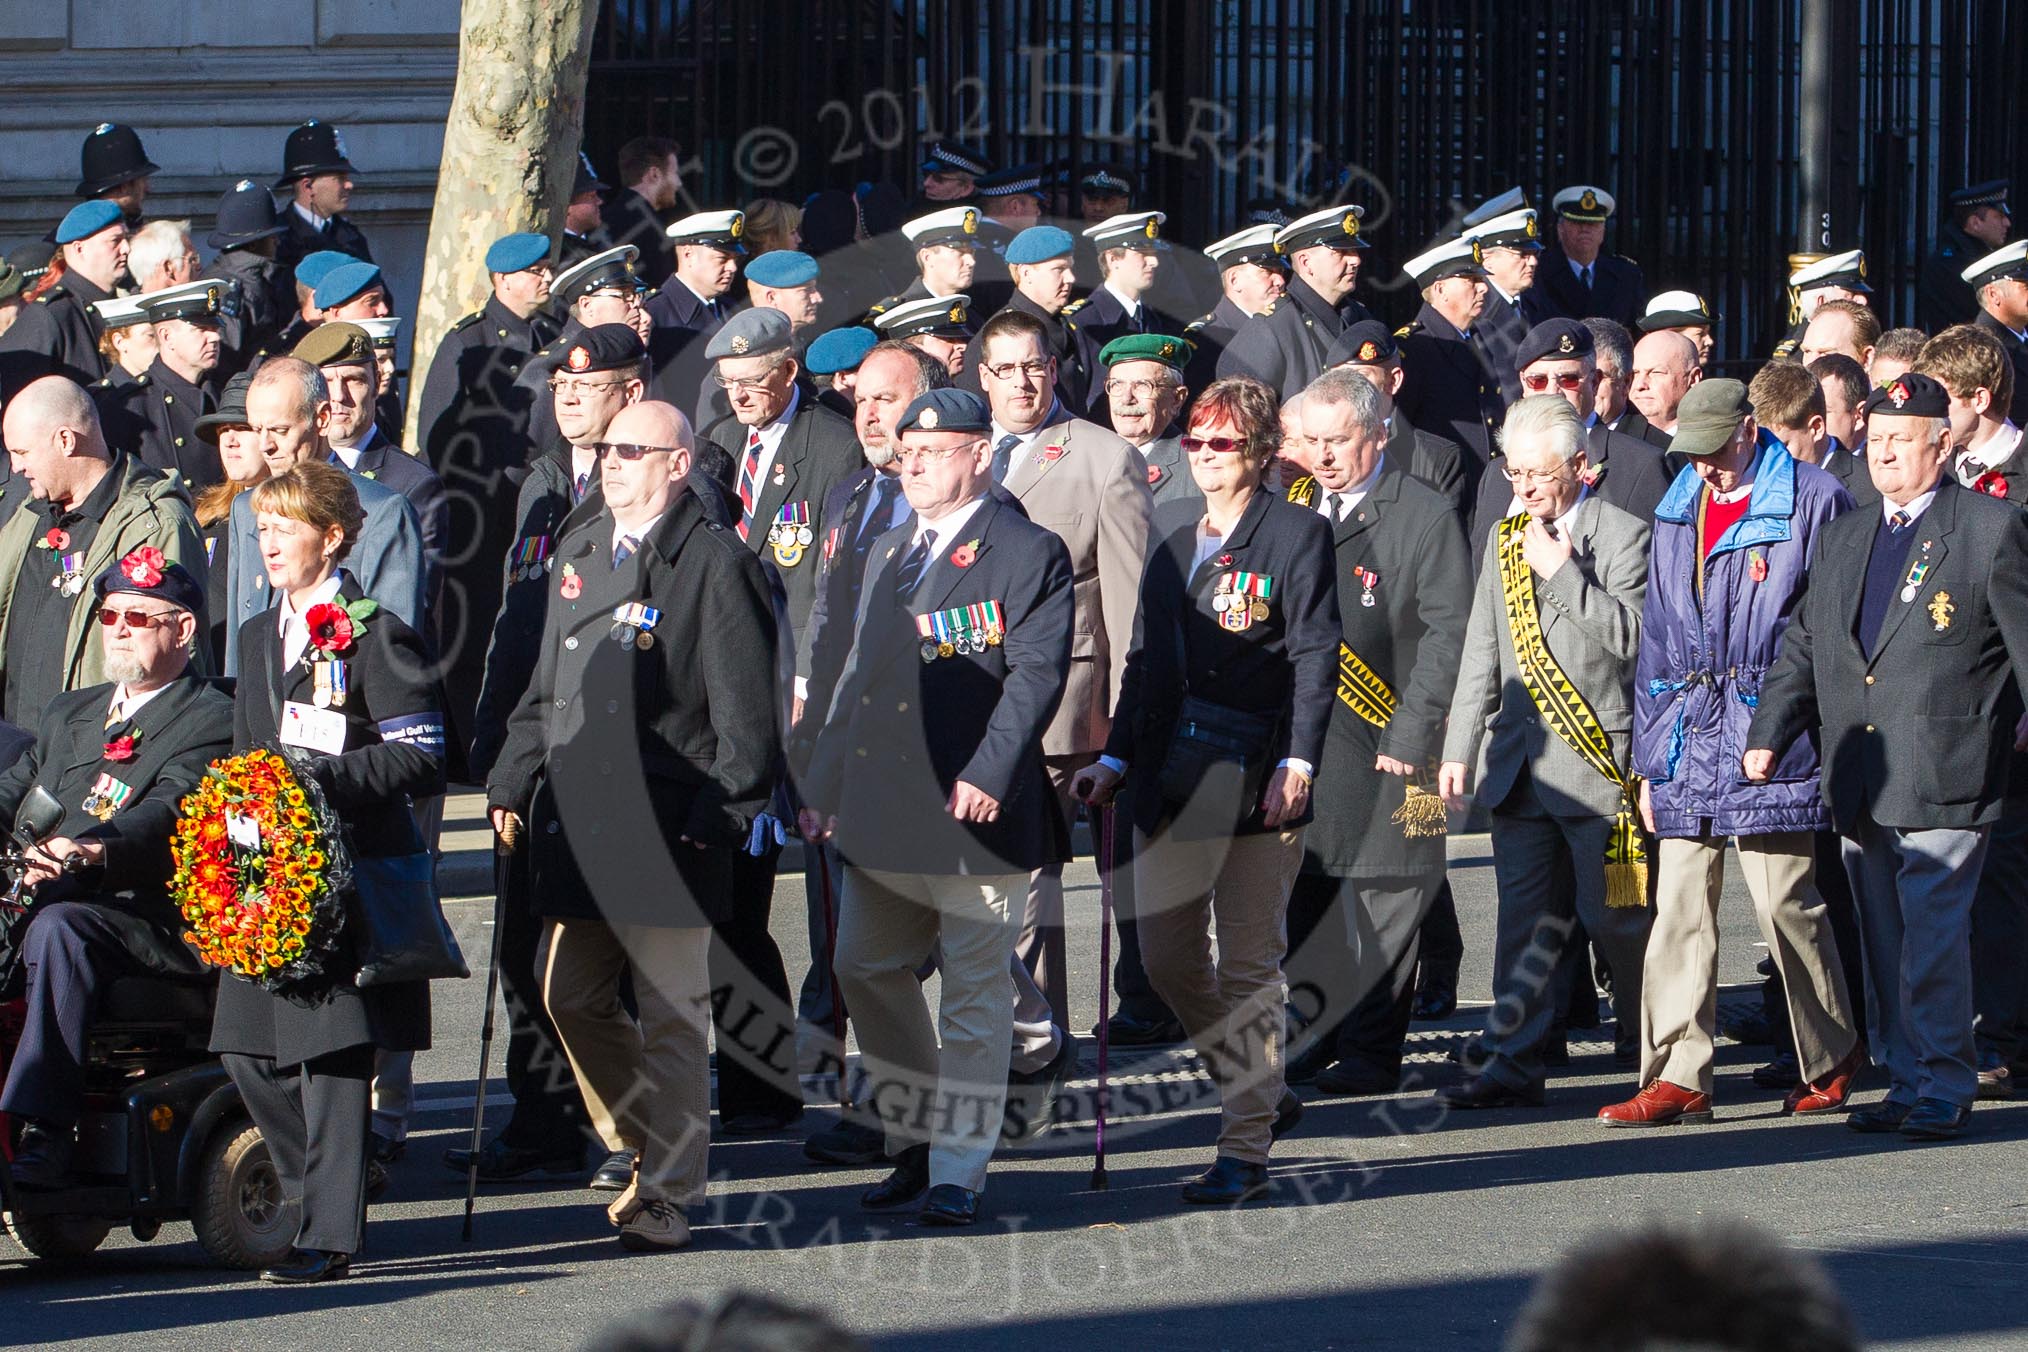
1828,1094
1659,1104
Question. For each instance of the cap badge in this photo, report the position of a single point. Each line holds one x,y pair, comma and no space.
957,314
338,143
738,224
1368,350
103,129
1151,228
1862,266
1350,224
579,359
1478,253
971,222
739,342
927,420
1168,350
244,185
1528,225
1588,202
1564,344
1898,392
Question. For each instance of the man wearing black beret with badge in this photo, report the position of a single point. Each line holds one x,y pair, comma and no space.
119,757
929,776
1905,660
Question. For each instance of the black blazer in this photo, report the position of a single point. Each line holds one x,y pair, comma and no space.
1283,667
302,239
1283,347
1634,423
1450,388
1436,461
177,734
1618,290
819,450
620,756
902,731
1919,735
394,746
1632,476
826,637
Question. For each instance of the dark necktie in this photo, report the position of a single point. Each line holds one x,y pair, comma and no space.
913,565
578,487
880,515
1898,522
624,550
749,491
1337,509
1003,454
1587,276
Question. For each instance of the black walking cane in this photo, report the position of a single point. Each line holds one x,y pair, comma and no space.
503,853
831,964
1105,863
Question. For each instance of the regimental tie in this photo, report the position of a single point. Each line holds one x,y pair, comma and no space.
1003,455
913,565
1587,276
1898,523
880,516
578,487
749,471
624,550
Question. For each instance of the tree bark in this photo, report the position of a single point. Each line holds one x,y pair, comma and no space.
510,152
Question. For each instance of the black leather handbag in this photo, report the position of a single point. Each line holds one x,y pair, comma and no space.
402,932
1217,757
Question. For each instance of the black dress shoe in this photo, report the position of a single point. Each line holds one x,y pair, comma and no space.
847,1142
617,1172
500,1162
1784,1072
376,1180
1303,1069
1886,1115
1032,1094
1124,1030
949,1204
1483,1091
308,1265
755,1123
1288,1112
1227,1182
1436,995
386,1149
1556,1052
909,1181
42,1159
1933,1119
1357,1078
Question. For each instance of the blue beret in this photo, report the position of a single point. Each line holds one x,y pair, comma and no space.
839,350
88,218
1039,244
344,282
317,266
151,576
750,333
517,253
946,410
782,267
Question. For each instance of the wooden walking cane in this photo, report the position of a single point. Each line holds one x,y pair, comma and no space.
1105,863
503,851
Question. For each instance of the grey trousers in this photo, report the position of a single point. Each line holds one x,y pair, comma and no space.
313,1117
1915,891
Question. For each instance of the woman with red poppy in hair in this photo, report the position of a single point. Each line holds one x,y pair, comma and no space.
339,683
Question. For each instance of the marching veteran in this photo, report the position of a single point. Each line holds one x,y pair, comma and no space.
1733,545
929,776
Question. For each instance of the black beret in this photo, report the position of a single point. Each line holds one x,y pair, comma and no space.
144,572
604,347
1912,395
1555,339
1366,343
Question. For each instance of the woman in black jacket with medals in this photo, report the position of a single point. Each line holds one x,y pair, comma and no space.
1217,734
354,697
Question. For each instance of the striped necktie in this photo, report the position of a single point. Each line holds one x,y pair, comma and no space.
749,491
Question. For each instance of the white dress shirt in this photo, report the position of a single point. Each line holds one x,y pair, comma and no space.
1915,507
639,532
126,704
317,222
1130,304
1351,497
770,442
1989,454
294,630
947,528
1025,441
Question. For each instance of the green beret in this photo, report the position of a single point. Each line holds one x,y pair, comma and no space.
1173,352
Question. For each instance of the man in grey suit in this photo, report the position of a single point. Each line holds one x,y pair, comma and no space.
1090,488
289,409
1549,659
1906,659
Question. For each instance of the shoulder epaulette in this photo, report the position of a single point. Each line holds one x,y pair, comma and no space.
1303,492
1406,330
1075,306
468,320
1196,324
1785,348
1271,307
54,293
880,307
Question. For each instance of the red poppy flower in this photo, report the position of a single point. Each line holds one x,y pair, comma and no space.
1992,482
121,748
962,556
1222,561
144,566
1053,451
56,537
1154,474
330,628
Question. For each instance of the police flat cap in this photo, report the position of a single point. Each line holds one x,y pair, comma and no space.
1012,182
946,410
1140,230
111,155
144,572
782,267
1451,258
246,212
1907,395
1991,193
1707,422
1553,340
603,347
587,179
230,412
200,302
315,267
1367,343
751,333
839,350
1846,269
1510,230
714,229
947,157
1040,243
1584,204
1333,227
2009,260
344,282
957,226
1106,183
1677,310
1171,352
1255,244
944,316
88,218
335,344
311,149
517,252
614,267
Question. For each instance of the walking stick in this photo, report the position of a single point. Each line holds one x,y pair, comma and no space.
503,852
1105,863
831,964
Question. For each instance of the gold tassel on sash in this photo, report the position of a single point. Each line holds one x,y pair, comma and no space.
1564,709
1361,689
1421,815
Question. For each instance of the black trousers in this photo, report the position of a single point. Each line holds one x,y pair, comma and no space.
1442,942
549,1112
751,1013
2000,939
71,954
315,1119
1353,946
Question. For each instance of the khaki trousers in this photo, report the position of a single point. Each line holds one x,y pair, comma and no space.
1679,988
1232,1009
647,1086
944,1085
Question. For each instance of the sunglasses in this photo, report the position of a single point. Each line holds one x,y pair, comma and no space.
1568,382
627,450
136,619
1216,445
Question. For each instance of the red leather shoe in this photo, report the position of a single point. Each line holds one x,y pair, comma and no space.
1828,1094
1659,1104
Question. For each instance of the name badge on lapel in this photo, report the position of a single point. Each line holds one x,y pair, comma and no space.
108,796
634,624
1240,599
308,726
961,630
791,534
